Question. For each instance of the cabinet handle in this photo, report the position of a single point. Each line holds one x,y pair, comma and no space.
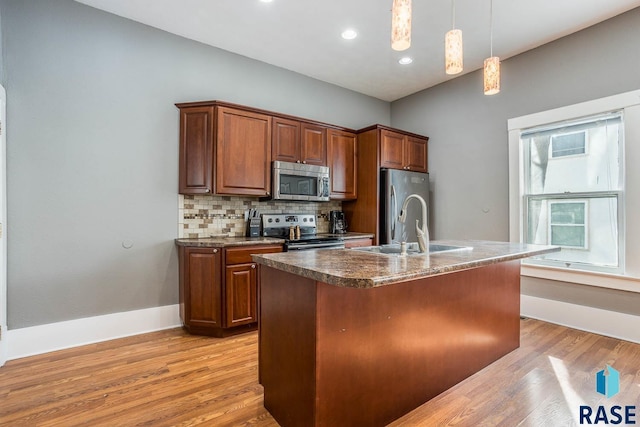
207,190
268,193
297,161
215,251
253,266
408,168
304,161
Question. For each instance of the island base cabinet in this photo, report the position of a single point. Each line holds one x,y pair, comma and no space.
336,356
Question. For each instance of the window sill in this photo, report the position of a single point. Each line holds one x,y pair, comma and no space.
589,278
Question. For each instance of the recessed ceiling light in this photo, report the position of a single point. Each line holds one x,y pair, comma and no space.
349,34
266,1
405,61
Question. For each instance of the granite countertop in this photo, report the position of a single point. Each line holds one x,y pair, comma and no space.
357,269
223,241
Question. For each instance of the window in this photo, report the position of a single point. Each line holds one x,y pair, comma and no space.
586,202
573,191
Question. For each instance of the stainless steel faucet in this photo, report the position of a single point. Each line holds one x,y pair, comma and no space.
422,233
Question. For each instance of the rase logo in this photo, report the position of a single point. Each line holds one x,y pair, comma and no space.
608,384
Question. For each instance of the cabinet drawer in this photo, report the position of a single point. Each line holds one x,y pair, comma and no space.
242,255
355,243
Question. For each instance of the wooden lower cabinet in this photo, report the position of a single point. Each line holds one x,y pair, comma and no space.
356,243
219,289
200,289
241,294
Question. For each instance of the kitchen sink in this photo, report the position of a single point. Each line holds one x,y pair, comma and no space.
412,249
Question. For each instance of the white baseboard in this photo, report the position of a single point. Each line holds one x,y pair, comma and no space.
73,333
57,336
603,322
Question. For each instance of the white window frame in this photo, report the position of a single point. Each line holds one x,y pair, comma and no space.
629,104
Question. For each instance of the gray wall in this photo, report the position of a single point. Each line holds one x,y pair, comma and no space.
93,151
2,73
468,133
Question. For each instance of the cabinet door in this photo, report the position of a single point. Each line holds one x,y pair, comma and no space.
243,153
391,149
203,290
343,161
286,140
196,150
240,294
416,154
313,150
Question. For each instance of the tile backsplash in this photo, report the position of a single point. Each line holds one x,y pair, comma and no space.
206,215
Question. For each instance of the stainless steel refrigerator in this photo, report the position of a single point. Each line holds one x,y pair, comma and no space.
395,186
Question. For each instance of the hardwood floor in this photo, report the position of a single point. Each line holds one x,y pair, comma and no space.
170,378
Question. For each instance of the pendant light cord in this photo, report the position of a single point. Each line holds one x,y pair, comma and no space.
491,26
453,14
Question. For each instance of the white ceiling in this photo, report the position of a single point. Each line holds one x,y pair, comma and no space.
304,35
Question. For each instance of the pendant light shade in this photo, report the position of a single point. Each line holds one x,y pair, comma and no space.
453,46
491,75
491,64
401,25
453,52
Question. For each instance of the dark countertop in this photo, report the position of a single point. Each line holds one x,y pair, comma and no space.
224,241
357,269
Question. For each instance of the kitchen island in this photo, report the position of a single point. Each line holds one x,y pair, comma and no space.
351,338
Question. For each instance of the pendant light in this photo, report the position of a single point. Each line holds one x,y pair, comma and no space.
491,64
453,46
401,24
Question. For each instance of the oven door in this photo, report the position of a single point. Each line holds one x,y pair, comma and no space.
305,246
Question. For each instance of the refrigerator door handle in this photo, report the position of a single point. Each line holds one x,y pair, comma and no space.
393,216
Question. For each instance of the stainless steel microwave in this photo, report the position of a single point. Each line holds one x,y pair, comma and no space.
299,181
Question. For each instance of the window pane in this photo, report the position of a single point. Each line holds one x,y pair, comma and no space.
567,213
551,165
567,235
568,145
586,228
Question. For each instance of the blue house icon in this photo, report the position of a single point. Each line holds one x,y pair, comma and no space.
608,382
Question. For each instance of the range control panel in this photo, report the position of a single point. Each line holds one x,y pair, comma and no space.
278,224
287,220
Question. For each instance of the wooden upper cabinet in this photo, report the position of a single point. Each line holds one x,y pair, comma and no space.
227,149
196,150
243,153
416,154
313,144
391,149
286,140
343,164
401,151
299,142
